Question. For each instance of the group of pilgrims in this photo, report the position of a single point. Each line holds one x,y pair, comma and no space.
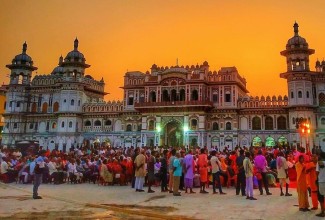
177,169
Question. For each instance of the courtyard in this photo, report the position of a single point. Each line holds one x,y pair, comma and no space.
92,201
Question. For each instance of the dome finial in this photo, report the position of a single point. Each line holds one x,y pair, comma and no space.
295,28
76,42
24,47
61,60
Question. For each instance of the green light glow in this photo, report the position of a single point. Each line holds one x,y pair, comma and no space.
185,128
158,128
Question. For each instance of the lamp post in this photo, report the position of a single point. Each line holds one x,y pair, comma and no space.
185,128
305,130
158,129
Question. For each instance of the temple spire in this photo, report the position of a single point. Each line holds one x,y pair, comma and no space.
76,42
24,47
296,28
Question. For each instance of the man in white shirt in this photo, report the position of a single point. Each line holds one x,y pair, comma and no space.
4,166
282,169
215,164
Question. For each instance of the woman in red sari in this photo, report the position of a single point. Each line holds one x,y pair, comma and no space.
203,170
302,185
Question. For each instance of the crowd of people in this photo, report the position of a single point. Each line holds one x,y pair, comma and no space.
176,169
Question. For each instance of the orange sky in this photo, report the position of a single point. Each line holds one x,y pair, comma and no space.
116,36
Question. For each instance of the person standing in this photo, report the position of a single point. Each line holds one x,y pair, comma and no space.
38,176
163,172
177,173
203,170
302,185
261,164
151,170
248,167
181,184
189,171
136,153
282,170
320,169
215,164
140,171
241,179
171,170
312,180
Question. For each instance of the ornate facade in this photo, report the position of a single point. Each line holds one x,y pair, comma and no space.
177,105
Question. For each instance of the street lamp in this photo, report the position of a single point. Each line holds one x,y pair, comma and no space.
305,130
158,129
186,129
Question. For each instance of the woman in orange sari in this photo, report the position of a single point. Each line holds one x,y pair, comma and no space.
302,185
203,170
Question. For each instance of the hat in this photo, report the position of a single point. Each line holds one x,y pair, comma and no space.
148,152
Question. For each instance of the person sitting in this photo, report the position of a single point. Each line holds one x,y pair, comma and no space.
74,175
7,172
104,173
80,168
54,174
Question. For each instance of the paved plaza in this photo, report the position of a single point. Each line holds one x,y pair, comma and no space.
90,201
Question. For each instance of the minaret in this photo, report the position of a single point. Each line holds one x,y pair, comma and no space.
300,86
21,68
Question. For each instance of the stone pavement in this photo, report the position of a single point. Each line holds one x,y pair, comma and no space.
90,201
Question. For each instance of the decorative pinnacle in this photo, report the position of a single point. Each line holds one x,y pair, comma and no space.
76,42
296,28
24,47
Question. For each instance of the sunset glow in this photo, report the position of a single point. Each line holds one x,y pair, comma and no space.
116,36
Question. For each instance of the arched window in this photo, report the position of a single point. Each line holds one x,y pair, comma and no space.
307,94
130,100
151,126
72,102
56,107
321,99
62,124
215,126
194,95
54,125
34,107
79,102
193,124
70,124
282,123
182,95
256,123
108,122
299,94
18,104
165,96
97,123
268,123
322,121
15,125
215,97
87,123
227,97
44,107
152,97
129,127
173,95
31,126
292,95
4,105
228,126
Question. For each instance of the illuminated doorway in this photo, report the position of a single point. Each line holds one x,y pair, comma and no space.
173,135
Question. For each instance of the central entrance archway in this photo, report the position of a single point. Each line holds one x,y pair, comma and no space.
173,134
